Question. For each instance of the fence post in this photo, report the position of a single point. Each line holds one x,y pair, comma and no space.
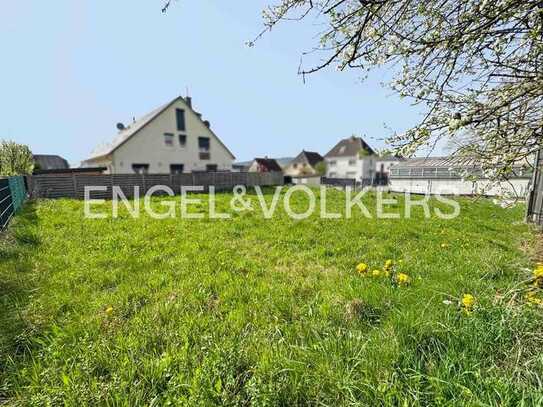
534,207
143,182
74,183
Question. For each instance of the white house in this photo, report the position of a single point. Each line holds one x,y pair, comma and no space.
169,140
351,158
450,175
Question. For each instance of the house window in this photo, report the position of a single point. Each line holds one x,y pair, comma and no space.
295,166
203,143
333,175
332,163
168,139
182,140
140,168
180,117
352,162
177,168
211,167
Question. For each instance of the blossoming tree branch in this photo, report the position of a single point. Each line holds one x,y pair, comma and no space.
476,66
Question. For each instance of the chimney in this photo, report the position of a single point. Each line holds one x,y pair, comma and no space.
188,101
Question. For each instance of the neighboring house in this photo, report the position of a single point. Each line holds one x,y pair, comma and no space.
450,175
170,140
351,158
304,164
44,162
244,166
265,165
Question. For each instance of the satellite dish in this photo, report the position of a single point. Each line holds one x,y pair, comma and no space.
120,126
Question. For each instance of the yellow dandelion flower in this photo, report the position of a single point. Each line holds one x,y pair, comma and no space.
376,273
444,245
468,301
403,279
388,264
109,310
531,297
538,272
362,268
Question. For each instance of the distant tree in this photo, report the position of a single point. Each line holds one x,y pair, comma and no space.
15,159
363,153
476,66
321,168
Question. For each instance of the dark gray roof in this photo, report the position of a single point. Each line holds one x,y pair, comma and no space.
446,162
283,162
308,157
269,164
50,162
350,147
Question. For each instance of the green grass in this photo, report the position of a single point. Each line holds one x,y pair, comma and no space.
257,312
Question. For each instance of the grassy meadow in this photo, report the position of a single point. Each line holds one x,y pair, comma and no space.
250,311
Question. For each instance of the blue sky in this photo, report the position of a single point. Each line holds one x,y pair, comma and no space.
72,69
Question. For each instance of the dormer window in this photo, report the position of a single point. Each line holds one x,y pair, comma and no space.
180,118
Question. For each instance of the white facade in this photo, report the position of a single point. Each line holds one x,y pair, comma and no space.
310,181
514,188
354,167
156,144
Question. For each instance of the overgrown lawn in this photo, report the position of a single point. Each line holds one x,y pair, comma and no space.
267,312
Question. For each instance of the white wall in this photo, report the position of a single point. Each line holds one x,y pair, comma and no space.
148,146
309,181
516,187
350,167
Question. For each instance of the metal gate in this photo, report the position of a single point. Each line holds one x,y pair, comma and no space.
12,196
534,212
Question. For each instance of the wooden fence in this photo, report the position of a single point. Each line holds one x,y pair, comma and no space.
535,199
73,185
12,196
